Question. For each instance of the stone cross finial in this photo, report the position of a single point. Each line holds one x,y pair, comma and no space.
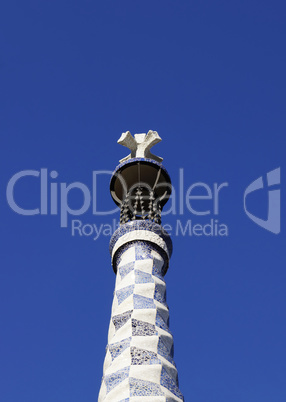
140,145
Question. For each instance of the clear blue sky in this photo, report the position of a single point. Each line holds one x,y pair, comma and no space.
210,78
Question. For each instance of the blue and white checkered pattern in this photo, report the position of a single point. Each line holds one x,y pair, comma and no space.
139,361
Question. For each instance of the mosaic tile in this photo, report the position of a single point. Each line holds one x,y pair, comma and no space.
125,269
167,382
122,294
160,294
141,302
172,372
143,251
164,351
160,322
141,356
158,269
120,319
143,277
116,378
168,341
118,257
117,348
141,328
144,388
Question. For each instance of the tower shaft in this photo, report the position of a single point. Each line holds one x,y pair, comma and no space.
139,361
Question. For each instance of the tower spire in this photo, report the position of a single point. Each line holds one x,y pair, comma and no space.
139,363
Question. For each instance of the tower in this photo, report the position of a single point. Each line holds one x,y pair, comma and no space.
139,363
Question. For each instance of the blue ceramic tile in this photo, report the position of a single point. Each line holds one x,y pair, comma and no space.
168,382
144,388
117,348
143,277
125,269
143,357
120,319
122,294
141,302
142,328
116,378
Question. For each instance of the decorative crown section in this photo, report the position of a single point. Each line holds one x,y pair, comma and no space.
140,145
